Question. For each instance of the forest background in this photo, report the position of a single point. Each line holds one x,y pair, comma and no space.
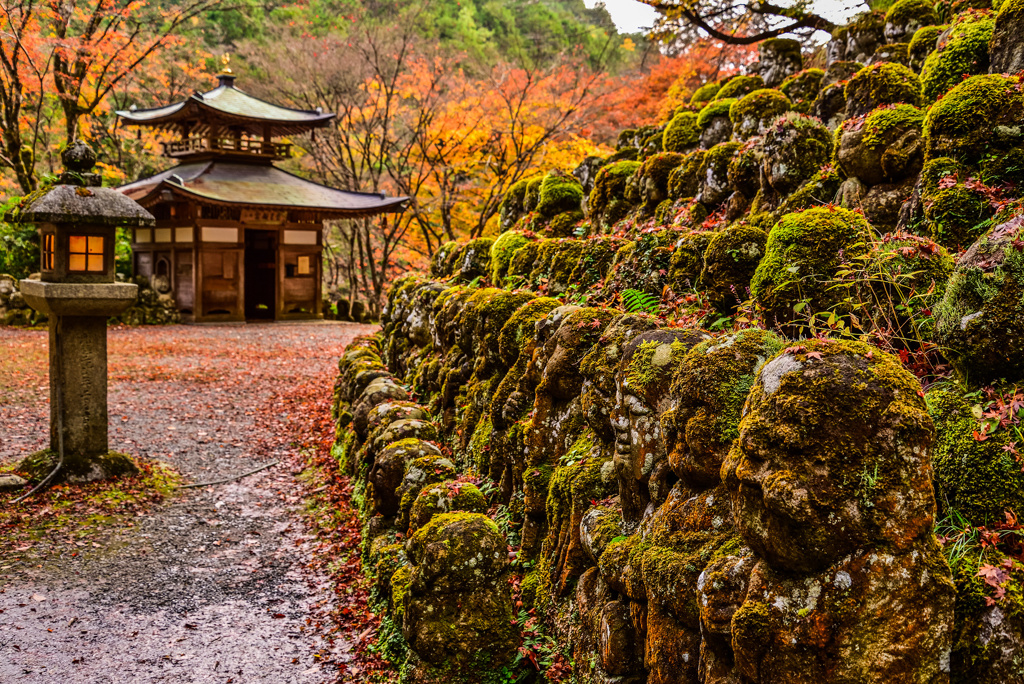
448,102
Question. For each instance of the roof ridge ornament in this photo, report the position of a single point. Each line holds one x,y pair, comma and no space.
226,77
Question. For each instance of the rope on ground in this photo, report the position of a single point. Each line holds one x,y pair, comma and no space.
229,479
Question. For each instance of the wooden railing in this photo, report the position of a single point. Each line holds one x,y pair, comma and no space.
196,145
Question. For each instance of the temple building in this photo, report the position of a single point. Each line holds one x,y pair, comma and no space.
237,238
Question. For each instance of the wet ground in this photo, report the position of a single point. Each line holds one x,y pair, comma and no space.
210,586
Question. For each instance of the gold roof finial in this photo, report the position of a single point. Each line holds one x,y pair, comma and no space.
225,64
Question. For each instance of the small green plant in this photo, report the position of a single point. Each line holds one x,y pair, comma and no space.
638,301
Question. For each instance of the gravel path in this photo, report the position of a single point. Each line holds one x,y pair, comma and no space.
211,586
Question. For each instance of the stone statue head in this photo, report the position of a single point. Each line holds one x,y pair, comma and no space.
833,455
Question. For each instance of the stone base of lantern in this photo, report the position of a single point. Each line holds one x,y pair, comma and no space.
78,373
98,467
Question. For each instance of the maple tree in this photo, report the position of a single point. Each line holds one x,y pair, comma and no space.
736,22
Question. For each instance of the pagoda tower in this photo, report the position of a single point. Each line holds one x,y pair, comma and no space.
237,238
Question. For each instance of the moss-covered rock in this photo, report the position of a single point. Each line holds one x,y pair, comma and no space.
795,147
851,473
957,215
1006,52
803,254
821,188
445,497
419,473
979,115
881,84
474,260
778,58
608,202
884,147
730,260
802,88
980,320
923,44
713,175
559,193
594,262
706,92
978,480
905,17
684,179
513,204
715,125
738,86
711,386
681,134
962,49
753,113
650,182
502,250
457,607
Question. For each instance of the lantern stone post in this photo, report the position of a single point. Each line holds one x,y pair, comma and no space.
77,221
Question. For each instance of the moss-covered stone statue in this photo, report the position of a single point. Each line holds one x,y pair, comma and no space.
830,481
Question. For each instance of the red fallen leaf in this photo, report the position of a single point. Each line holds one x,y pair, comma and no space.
980,436
278,615
814,355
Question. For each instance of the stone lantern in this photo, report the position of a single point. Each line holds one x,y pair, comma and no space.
77,222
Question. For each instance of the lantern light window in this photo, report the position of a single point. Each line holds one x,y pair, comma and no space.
85,253
48,251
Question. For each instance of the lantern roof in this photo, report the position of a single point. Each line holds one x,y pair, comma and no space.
227,106
229,183
79,198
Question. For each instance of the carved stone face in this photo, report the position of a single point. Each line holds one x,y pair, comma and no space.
600,367
642,384
832,457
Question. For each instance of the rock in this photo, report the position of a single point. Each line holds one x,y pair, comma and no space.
905,17
881,84
976,116
445,497
731,257
388,471
713,187
795,147
855,490
618,641
780,58
886,146
961,49
457,606
802,88
1006,49
11,481
754,113
980,320
681,134
608,203
804,251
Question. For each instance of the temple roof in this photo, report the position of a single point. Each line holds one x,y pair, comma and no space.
233,184
226,105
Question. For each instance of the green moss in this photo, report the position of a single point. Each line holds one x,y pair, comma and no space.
912,14
445,497
705,93
713,110
880,84
687,261
965,52
957,216
501,253
978,115
753,113
558,194
685,178
113,464
980,320
803,253
519,328
532,195
594,262
682,133
731,257
884,120
738,86
521,265
923,42
608,198
802,88
979,480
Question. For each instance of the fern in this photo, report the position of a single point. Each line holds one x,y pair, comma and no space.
638,301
